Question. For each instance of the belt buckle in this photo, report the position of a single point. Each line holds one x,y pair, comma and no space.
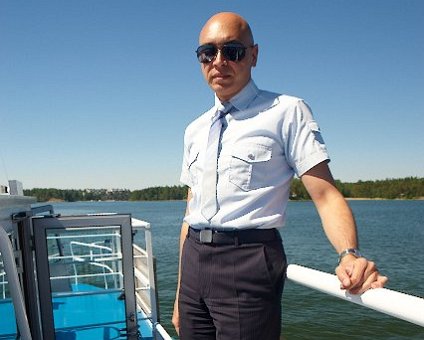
206,236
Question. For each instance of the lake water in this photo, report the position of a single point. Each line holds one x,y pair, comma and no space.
390,232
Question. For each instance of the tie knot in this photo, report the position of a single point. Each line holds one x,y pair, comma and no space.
223,109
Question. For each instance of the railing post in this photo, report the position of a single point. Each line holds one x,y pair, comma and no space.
151,267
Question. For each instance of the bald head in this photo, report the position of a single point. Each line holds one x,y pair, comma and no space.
227,23
227,76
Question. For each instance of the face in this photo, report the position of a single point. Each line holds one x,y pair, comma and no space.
226,77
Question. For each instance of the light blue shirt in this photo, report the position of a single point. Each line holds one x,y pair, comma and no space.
266,139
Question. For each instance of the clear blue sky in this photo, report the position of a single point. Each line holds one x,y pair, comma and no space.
97,94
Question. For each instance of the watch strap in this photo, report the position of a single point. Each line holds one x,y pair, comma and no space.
352,251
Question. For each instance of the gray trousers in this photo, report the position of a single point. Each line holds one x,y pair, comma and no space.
231,291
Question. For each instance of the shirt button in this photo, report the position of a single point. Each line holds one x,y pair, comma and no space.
251,156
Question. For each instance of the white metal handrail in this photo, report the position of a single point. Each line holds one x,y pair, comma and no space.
399,305
83,236
15,291
148,251
162,332
95,258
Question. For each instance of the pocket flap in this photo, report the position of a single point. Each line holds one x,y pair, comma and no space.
252,153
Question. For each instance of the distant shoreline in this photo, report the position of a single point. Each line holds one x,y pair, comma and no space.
55,200
402,188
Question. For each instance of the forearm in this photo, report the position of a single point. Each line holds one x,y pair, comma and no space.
338,221
336,216
183,235
355,274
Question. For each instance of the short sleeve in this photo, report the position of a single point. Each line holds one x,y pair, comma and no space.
304,144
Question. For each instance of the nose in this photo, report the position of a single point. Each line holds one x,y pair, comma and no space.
219,58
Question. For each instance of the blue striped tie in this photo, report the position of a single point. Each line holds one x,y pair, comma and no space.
209,202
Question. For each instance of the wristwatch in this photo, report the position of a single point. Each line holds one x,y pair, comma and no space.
353,251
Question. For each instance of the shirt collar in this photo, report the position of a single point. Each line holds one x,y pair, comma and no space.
243,99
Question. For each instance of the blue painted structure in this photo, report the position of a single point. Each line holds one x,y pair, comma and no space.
76,278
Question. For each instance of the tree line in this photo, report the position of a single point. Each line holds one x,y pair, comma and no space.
402,188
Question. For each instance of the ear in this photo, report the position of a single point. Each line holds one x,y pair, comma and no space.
255,51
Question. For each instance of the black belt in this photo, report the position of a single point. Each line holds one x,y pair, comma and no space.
213,236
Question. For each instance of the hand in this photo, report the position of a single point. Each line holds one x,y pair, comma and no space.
176,317
357,275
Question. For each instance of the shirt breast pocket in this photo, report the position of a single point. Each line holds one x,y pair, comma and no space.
193,161
249,166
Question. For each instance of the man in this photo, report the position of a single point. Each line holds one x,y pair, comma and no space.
239,159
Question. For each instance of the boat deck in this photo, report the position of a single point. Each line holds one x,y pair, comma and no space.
74,317
83,278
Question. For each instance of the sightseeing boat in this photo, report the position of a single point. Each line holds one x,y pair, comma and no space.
83,277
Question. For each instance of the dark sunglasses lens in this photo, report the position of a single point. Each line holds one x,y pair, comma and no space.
206,53
234,53
230,53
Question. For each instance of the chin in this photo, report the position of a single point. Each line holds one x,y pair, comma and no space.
221,90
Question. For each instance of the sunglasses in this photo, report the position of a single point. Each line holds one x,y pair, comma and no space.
230,51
